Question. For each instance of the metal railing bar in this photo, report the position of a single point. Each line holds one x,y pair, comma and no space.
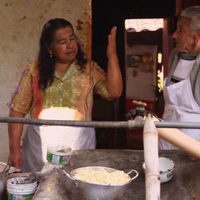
100,124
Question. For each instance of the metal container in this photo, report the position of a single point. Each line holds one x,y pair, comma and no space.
166,167
93,191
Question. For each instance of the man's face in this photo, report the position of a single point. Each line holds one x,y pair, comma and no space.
184,36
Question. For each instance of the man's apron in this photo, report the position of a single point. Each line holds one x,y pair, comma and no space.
37,139
180,105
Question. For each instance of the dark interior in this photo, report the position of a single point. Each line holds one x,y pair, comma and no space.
106,14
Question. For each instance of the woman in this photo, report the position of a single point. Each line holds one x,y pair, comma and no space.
59,85
182,88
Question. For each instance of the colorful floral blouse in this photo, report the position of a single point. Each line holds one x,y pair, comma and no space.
73,90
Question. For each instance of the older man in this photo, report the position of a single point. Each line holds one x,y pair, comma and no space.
182,86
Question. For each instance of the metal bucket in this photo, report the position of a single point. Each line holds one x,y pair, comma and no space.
92,191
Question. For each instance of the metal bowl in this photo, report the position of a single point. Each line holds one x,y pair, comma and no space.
100,191
166,169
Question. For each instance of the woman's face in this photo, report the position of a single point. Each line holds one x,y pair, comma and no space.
184,36
64,46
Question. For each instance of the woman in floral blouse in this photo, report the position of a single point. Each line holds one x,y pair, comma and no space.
59,85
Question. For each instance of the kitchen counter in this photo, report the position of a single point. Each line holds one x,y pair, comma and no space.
184,185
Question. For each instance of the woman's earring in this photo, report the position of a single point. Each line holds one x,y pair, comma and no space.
50,55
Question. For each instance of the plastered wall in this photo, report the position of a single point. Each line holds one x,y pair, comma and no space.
21,22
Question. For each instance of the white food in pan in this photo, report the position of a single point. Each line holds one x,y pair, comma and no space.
102,176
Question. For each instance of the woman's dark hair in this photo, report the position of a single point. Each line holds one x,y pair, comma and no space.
46,62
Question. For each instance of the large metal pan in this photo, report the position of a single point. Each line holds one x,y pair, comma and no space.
93,191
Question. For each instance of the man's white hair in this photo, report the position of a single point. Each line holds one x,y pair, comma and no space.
192,13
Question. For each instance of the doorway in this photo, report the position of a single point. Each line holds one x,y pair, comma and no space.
106,14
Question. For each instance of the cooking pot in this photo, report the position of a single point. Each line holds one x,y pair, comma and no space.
93,191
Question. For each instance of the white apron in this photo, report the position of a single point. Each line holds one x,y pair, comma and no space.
37,138
180,105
